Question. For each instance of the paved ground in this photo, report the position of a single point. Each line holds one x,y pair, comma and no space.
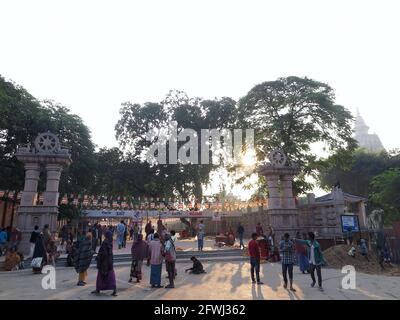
223,280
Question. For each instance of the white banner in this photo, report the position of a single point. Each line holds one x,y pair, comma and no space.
141,214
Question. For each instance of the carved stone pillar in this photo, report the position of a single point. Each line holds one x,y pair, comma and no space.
274,199
32,173
287,192
53,180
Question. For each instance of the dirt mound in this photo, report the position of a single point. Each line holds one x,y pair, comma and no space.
337,257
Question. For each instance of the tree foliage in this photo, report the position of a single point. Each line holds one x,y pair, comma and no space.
194,113
292,114
22,118
385,194
357,171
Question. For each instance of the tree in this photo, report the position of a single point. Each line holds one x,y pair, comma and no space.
385,194
194,113
22,118
292,114
356,172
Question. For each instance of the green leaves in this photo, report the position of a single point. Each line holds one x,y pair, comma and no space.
293,113
386,195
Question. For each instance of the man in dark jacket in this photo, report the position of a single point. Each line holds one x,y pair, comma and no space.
83,257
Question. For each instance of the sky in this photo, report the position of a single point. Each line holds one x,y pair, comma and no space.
93,55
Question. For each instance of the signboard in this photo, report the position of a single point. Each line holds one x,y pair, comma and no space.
350,222
140,214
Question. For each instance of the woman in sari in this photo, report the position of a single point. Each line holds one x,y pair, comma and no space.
106,275
301,253
39,257
139,252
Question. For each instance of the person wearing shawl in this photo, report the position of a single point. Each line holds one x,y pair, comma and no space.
83,257
40,254
106,275
156,252
140,251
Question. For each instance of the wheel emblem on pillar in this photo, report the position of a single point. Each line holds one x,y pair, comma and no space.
277,158
47,142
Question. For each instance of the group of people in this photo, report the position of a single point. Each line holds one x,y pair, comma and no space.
44,249
309,256
9,243
155,248
10,239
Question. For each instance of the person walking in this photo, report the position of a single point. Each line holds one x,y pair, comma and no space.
156,252
95,236
46,235
301,255
39,257
286,248
136,231
83,257
149,238
64,234
125,236
315,257
139,251
148,228
100,231
170,258
105,266
254,253
240,232
200,239
52,251
35,233
120,234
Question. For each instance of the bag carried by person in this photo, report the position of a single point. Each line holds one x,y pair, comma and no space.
36,262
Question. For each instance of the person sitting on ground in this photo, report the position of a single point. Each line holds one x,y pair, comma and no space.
12,260
352,252
197,266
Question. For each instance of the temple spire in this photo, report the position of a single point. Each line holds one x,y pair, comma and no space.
371,142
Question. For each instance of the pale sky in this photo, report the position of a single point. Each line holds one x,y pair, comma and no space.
93,55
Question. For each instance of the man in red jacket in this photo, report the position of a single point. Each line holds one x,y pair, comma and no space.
254,252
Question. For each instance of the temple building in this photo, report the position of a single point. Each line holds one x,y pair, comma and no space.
366,140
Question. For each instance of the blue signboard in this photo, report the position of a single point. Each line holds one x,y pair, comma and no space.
350,222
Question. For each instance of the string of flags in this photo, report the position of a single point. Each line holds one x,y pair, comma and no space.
145,202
